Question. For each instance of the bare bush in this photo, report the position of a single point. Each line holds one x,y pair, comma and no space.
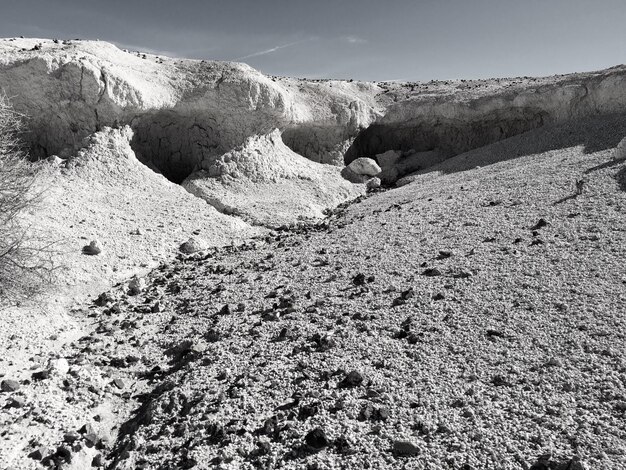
25,262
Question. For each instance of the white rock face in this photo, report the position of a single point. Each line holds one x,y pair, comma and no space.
138,216
454,120
187,114
265,183
181,111
365,166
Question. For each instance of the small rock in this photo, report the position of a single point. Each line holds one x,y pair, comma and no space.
71,436
192,245
59,366
554,362
9,385
86,429
373,183
351,380
342,445
359,279
55,160
94,248
41,375
540,224
431,272
16,402
104,299
316,439
97,461
407,448
39,453
136,285
119,383
64,453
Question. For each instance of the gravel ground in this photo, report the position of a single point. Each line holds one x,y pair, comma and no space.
473,319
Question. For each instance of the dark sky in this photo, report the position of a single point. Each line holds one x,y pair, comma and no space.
361,39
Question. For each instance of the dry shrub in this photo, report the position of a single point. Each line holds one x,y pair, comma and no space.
25,258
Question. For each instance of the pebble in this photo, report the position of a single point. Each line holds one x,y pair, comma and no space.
373,183
119,383
9,385
407,448
192,245
431,272
94,248
16,402
352,379
41,375
39,453
316,439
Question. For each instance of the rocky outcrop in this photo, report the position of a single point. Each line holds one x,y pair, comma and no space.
181,111
187,114
453,123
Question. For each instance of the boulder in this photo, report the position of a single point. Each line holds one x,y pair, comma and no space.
365,166
353,177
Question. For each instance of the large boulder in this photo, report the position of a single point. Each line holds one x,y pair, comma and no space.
365,166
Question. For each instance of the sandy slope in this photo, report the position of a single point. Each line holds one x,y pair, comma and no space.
515,350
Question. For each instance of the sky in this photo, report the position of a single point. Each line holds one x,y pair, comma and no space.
407,40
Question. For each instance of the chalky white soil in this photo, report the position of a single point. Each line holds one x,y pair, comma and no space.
483,339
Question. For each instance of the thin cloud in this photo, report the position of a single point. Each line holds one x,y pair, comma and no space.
354,40
273,49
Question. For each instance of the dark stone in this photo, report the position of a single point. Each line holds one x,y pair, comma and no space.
405,448
499,381
353,379
306,411
342,445
316,439
119,383
431,272
39,453
359,279
540,224
264,447
86,429
408,294
16,402
64,453
71,436
97,461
